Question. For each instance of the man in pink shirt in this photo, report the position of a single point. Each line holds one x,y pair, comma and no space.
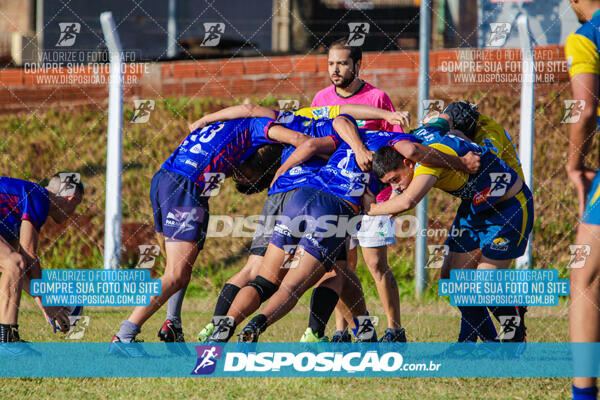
376,233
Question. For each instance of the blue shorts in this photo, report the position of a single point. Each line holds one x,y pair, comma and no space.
180,210
501,232
323,240
591,214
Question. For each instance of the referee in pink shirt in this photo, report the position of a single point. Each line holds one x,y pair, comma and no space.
376,233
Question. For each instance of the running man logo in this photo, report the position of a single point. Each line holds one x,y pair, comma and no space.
207,359
508,326
223,326
365,328
432,108
573,110
79,324
579,253
437,253
358,33
141,111
288,105
148,254
212,33
184,218
499,32
68,183
68,33
357,184
212,183
292,256
499,183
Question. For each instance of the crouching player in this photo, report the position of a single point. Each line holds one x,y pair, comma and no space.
494,218
246,149
334,193
24,209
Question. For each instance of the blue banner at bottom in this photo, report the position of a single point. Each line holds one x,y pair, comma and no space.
300,360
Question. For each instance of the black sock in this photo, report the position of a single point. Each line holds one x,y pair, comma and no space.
225,299
261,322
511,324
322,304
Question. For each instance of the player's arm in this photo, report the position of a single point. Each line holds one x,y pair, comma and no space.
312,147
28,241
348,132
281,134
434,158
364,112
585,87
234,112
414,193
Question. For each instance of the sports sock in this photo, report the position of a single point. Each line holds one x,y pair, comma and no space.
508,316
225,299
475,321
322,304
260,321
174,307
588,393
128,331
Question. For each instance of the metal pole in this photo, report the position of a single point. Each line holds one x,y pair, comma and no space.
421,240
112,221
526,134
172,30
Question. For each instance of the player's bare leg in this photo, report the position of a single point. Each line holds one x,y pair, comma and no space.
13,269
387,287
341,323
584,317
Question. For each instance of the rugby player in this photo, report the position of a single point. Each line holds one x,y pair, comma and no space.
494,218
334,191
301,120
486,132
376,233
24,208
583,58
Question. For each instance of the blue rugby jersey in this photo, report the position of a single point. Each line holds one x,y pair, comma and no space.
19,201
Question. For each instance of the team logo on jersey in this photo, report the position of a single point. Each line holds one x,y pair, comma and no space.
68,183
296,170
437,253
148,254
141,111
212,33
500,244
358,33
573,110
499,32
508,326
579,253
288,105
68,33
212,183
207,359
78,325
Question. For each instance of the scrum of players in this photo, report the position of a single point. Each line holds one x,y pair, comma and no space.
346,158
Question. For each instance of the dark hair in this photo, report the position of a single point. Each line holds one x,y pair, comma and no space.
355,51
464,117
55,184
265,161
386,159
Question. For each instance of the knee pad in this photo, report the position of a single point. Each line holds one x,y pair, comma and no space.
264,288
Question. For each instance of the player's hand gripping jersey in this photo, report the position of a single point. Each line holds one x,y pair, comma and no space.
483,189
21,200
218,148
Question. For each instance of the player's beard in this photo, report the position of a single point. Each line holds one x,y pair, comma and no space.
345,81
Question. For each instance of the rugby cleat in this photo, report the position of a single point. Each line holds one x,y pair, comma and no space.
127,350
170,333
224,328
393,335
310,337
341,337
249,334
206,332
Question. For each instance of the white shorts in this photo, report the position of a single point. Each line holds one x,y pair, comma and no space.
376,231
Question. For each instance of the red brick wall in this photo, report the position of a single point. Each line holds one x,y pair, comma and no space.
299,76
